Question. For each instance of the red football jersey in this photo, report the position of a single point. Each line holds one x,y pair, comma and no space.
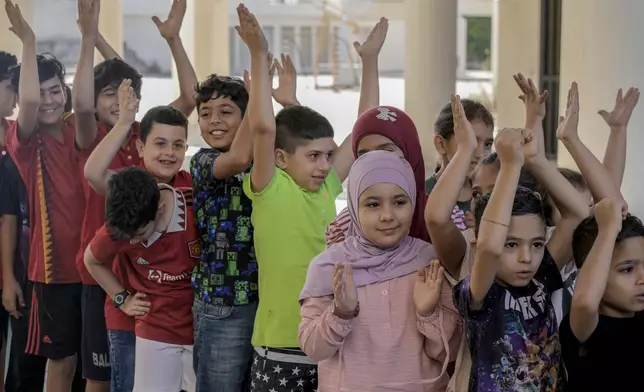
161,268
49,169
94,203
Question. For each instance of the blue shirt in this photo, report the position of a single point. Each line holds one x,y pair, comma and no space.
227,271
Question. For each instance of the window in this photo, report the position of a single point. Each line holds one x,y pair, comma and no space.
306,51
479,43
288,40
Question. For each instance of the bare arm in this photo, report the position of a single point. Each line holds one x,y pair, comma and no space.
493,231
599,181
369,52
12,296
260,106
169,30
617,120
105,49
103,274
447,239
239,156
535,106
83,96
29,86
97,166
592,278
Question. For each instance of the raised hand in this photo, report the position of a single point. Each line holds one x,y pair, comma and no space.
568,124
19,25
463,131
250,32
610,213
371,47
345,294
271,72
535,101
88,12
128,102
286,92
427,290
136,305
624,106
170,28
509,145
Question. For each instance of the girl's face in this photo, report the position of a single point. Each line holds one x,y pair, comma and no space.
375,142
385,213
483,179
485,140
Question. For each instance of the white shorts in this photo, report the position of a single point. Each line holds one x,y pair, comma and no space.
163,367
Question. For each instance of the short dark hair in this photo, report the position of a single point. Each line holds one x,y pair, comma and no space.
7,64
525,202
132,202
297,125
444,124
526,180
575,178
110,73
162,115
222,86
68,103
49,67
586,233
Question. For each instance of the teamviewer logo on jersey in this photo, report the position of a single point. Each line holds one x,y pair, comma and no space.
155,275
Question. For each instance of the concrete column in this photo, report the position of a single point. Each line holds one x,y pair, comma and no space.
8,40
110,24
430,65
206,38
602,50
516,48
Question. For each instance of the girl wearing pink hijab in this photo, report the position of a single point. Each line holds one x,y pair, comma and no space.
376,314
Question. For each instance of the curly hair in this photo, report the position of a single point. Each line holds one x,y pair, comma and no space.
216,86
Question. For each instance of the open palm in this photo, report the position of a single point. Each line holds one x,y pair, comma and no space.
624,106
172,25
375,40
19,25
568,124
344,288
427,290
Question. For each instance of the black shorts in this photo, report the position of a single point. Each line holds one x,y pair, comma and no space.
54,320
95,349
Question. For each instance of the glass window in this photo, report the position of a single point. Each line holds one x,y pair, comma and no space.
479,43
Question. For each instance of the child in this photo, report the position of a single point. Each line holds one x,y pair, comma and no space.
505,302
162,146
384,276
23,370
42,144
292,205
374,132
601,337
151,228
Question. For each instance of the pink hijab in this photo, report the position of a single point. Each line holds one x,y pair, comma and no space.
371,264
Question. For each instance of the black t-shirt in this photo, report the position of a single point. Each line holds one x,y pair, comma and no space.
610,360
13,201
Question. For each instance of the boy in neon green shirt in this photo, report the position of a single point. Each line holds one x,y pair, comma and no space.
297,174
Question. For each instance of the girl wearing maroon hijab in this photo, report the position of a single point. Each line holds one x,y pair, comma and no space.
390,129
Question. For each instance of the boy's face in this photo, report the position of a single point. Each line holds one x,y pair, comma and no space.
485,140
385,213
107,106
164,150
52,102
143,233
219,119
523,251
483,180
7,99
309,165
624,292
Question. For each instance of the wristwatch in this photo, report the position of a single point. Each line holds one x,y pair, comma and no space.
343,315
119,298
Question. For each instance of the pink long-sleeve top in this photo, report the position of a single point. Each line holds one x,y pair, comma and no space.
388,347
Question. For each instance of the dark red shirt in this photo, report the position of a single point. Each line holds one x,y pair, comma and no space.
49,169
94,203
160,268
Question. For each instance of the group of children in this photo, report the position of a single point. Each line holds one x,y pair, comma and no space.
501,272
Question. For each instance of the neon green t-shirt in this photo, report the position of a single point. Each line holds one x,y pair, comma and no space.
289,225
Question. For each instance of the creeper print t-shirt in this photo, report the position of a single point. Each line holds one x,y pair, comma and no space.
513,339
